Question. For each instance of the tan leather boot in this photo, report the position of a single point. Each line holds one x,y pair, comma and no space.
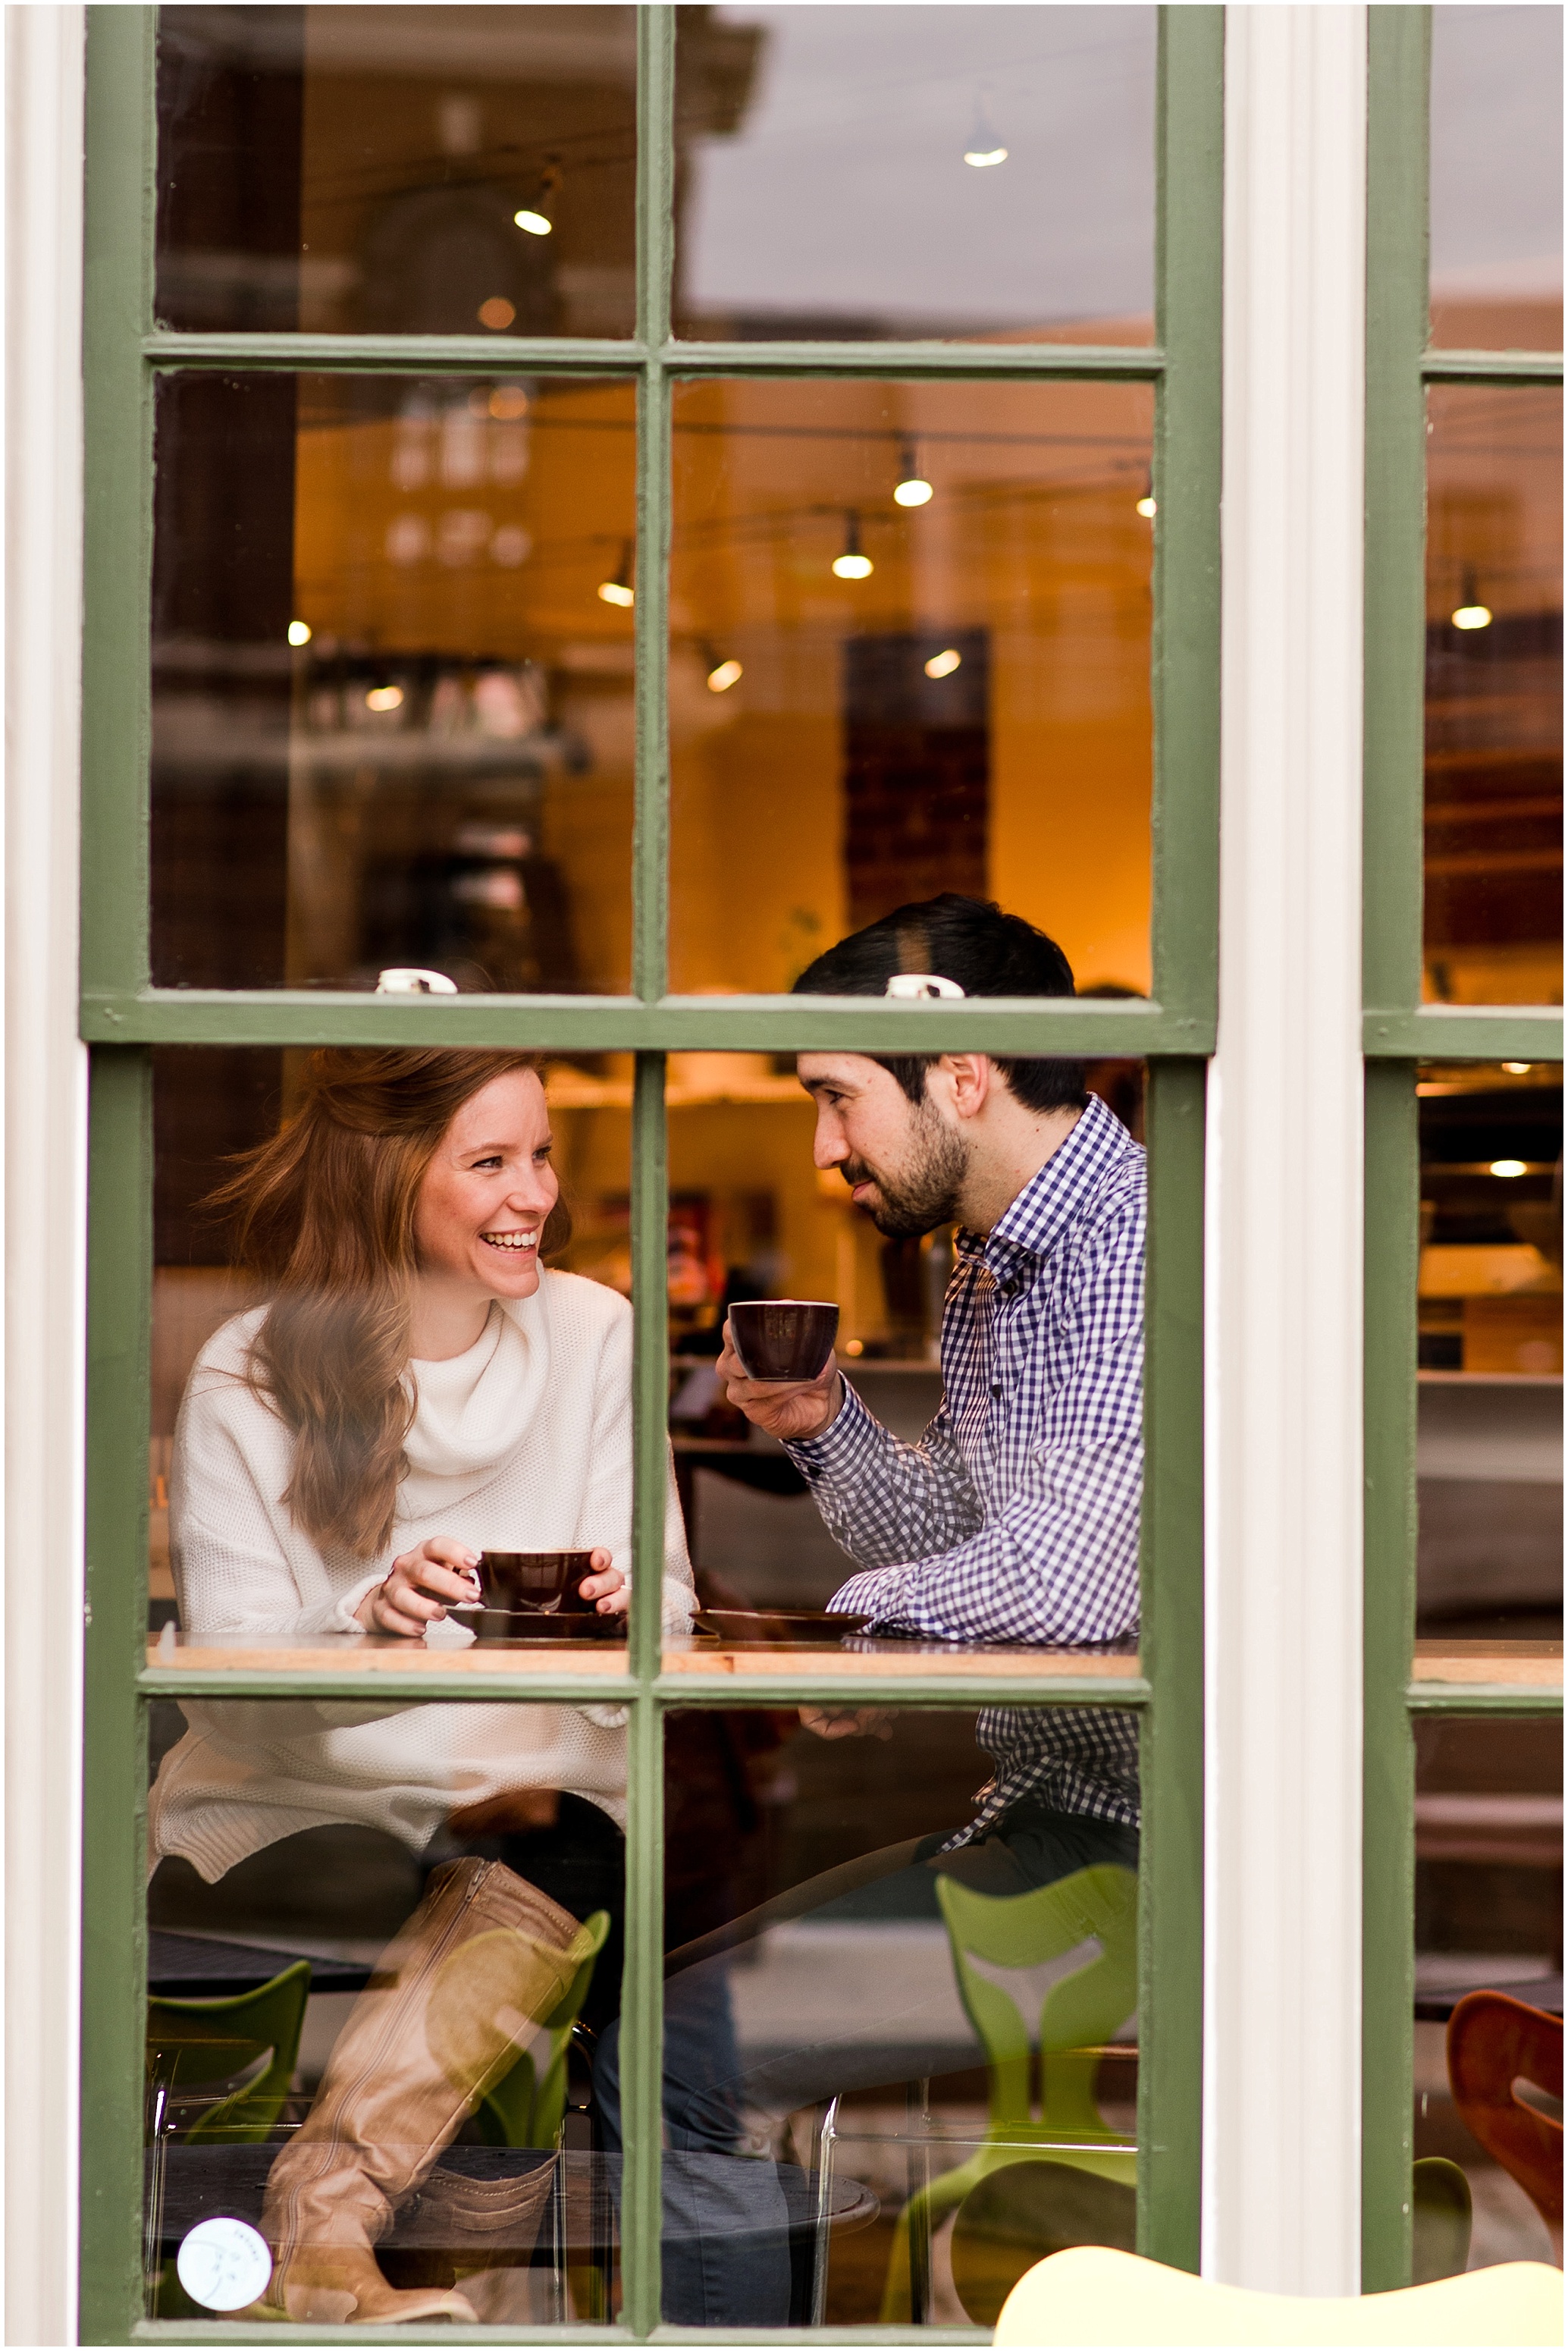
483,1958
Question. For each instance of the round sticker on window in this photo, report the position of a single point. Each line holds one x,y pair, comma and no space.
224,2264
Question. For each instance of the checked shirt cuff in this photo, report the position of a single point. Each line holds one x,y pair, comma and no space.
847,1445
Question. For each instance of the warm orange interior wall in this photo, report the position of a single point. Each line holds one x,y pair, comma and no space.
1033,535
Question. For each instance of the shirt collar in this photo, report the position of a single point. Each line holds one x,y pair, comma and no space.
1054,1195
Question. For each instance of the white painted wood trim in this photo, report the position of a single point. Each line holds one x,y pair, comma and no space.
44,1164
1282,1991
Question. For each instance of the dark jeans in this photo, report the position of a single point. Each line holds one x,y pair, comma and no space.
727,2256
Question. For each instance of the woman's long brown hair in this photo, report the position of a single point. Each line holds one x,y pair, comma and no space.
323,1216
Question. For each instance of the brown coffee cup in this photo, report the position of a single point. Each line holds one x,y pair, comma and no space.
541,1582
783,1338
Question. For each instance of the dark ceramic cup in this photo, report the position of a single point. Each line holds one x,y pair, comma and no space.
535,1581
784,1338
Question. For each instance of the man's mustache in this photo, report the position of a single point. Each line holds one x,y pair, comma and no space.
855,1171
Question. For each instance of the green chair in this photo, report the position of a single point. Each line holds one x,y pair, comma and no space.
1439,2220
1078,2017
191,2042
527,2106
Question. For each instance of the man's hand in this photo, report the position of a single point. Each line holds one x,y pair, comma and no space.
791,1409
847,1721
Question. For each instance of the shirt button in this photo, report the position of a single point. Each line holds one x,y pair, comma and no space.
996,1391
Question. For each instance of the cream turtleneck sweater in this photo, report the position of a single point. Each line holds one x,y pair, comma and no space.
524,1443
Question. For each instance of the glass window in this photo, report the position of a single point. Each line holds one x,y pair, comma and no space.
910,652
391,712
280,1176
974,175
381,1945
786,1229
1489,1448
397,170
407,1440
1493,921
1489,1992
1496,178
898,2073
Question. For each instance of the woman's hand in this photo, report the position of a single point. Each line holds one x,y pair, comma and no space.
420,1587
786,1409
607,1587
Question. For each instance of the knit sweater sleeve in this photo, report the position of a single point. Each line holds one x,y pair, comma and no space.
233,1574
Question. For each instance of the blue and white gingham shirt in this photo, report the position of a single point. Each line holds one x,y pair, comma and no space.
1016,1516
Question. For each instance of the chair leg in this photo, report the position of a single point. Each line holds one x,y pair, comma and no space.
918,2116
152,2219
826,2139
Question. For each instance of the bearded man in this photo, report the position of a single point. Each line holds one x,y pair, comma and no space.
1014,1519
1016,1516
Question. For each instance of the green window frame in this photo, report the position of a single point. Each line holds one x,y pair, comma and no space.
1399,1033
122,1016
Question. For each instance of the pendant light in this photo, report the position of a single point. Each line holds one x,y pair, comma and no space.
912,488
853,564
1470,613
618,590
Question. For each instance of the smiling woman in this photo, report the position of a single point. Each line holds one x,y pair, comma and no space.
414,1389
394,1225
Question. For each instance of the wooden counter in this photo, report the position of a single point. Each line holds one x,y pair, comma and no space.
378,1656
1524,1665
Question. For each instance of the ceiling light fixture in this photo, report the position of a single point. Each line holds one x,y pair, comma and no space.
1509,1167
852,564
1147,504
912,488
942,664
618,590
299,633
538,218
384,697
985,148
1470,613
1517,1069
721,673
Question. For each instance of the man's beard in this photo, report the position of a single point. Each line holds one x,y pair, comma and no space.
924,1194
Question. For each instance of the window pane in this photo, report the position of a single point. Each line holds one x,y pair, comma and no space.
872,700
273,1531
1493,923
844,2004
397,170
392,719
953,1518
1489,1991
973,174
1489,1457
1496,178
381,1945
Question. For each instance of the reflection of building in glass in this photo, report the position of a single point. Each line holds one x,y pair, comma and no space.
410,170
1493,904
1490,1444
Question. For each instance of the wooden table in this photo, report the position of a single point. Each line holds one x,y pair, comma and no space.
1521,1666
1515,1665
377,1656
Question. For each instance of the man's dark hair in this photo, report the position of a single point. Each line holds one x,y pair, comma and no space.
987,953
